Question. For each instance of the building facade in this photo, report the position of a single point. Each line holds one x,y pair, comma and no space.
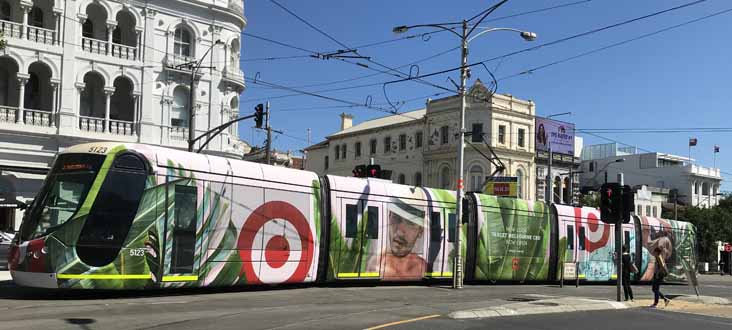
76,71
696,185
420,147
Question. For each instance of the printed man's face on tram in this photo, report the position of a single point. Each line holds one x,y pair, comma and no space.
403,234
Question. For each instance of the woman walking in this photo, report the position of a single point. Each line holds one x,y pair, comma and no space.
659,274
628,267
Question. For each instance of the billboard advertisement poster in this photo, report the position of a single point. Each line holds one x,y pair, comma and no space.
505,186
557,135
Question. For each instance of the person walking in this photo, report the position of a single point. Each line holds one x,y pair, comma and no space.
628,267
659,273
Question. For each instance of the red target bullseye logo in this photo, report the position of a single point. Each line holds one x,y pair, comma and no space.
286,257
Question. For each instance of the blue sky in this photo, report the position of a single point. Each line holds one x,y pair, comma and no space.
675,79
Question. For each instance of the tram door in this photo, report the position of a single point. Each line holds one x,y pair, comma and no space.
360,252
440,240
182,201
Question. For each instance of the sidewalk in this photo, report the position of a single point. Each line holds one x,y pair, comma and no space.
706,305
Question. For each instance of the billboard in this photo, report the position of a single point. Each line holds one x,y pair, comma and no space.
506,186
557,135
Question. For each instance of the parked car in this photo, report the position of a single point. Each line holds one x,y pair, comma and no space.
5,239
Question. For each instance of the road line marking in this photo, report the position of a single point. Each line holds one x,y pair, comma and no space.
404,321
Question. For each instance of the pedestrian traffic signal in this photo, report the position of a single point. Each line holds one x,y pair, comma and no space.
628,203
373,171
611,203
258,115
359,171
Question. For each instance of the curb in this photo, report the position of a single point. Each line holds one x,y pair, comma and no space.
710,300
545,306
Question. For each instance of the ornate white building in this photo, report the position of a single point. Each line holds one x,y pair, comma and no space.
420,147
75,71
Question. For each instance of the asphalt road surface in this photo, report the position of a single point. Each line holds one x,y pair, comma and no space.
322,307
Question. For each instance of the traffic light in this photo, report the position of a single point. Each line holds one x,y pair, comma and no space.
359,171
611,200
373,171
628,203
258,115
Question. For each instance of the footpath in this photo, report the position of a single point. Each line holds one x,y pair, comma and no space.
703,305
5,276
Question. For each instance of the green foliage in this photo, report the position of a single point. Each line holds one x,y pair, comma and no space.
591,199
712,224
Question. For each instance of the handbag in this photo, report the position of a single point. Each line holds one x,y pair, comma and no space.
633,268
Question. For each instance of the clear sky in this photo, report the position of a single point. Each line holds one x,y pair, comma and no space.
675,79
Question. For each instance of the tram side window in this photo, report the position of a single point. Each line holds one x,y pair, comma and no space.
626,239
451,227
570,237
185,208
581,238
184,237
351,220
435,227
372,223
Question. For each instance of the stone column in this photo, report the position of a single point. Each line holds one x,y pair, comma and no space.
136,117
108,91
80,86
54,103
25,8
57,34
22,80
138,43
110,29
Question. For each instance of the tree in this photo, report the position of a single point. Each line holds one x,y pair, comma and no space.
590,199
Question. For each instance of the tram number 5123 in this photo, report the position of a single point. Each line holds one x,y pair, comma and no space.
137,252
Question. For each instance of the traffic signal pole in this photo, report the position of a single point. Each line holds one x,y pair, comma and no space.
269,134
618,243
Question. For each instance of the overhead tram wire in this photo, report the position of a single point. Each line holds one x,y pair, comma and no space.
643,36
551,43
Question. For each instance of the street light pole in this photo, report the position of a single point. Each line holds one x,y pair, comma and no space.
458,264
195,66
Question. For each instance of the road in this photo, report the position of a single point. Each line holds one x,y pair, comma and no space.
305,307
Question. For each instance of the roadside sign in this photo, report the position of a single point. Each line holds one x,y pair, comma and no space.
570,271
506,186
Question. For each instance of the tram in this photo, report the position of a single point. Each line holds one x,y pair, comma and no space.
131,216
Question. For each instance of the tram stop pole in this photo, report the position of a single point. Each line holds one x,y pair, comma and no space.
618,245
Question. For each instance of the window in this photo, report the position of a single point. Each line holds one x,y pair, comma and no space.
476,178
501,134
581,238
592,166
626,239
179,113
343,151
451,227
520,183
372,147
351,220
648,210
402,142
418,140
358,149
338,152
477,133
387,144
326,162
655,214
418,179
435,227
5,11
445,178
521,137
570,237
402,179
111,215
444,131
184,230
182,46
87,29
372,223
35,17
640,210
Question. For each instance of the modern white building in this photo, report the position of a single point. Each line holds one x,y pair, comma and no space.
696,185
77,71
420,147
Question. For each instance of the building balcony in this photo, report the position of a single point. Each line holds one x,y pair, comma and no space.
100,125
102,47
234,75
177,133
173,60
236,7
702,171
32,33
29,116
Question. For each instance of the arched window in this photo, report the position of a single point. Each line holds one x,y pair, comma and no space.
476,178
179,114
520,183
566,192
402,179
557,190
418,179
234,54
445,178
5,11
183,44
88,29
35,17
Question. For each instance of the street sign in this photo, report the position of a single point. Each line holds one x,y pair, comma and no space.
506,186
570,270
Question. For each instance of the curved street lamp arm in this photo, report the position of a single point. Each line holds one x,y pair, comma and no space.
439,26
487,30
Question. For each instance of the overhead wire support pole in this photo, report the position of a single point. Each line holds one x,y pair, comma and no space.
269,134
457,281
